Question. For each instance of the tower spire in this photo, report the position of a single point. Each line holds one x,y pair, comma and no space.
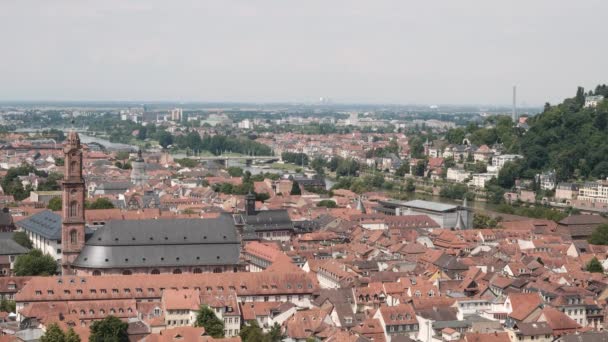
73,221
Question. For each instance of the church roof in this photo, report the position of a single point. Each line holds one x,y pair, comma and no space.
262,220
162,243
45,223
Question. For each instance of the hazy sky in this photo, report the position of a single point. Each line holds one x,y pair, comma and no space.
410,52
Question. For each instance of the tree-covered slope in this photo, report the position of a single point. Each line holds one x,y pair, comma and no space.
569,138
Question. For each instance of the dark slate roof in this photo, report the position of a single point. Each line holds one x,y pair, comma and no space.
439,314
45,223
115,186
10,247
164,242
5,217
263,220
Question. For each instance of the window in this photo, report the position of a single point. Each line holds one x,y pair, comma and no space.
126,272
155,271
96,273
73,210
73,237
197,270
177,271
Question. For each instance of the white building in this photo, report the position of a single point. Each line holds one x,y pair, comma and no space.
593,101
479,180
595,192
457,175
500,160
44,230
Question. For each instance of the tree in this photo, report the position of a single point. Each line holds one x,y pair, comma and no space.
235,171
409,185
508,174
275,333
22,239
252,332
403,169
122,155
262,196
165,139
600,235
483,221
7,305
71,336
419,169
594,266
35,263
327,204
295,189
53,334
206,318
187,162
100,203
54,204
110,329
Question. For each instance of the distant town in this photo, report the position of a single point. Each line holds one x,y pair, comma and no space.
304,222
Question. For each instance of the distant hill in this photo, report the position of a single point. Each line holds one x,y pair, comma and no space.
570,138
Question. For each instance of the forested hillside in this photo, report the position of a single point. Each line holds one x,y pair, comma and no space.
569,138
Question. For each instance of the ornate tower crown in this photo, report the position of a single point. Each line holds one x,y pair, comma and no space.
73,141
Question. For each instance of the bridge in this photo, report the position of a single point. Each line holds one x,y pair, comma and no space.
228,157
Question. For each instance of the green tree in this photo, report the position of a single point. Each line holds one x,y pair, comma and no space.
53,334
206,318
71,336
594,266
251,332
419,169
165,139
295,189
327,204
403,169
483,221
409,185
600,235
54,204
508,174
110,329
100,203
262,196
235,171
22,239
275,333
187,162
35,263
7,305
122,155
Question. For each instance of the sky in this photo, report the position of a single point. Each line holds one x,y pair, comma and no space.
351,51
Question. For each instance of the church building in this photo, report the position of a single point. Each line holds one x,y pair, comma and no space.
154,246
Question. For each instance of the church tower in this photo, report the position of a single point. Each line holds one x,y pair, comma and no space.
72,229
138,170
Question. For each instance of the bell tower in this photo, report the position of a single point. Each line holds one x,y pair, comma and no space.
72,229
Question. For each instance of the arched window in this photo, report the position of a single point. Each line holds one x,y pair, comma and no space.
96,273
197,270
74,167
126,272
177,271
155,271
73,209
73,237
